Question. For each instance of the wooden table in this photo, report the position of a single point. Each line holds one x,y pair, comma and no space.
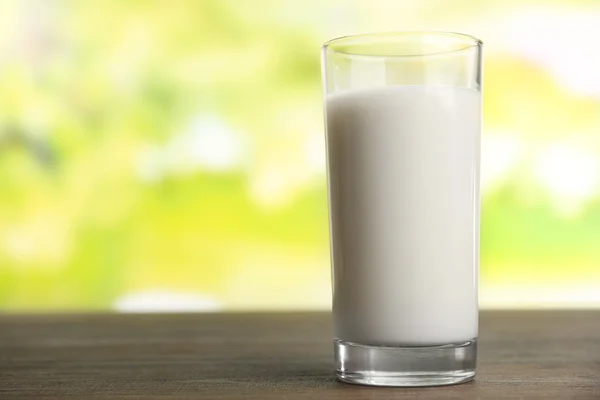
523,355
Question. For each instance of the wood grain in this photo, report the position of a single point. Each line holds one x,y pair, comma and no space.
523,355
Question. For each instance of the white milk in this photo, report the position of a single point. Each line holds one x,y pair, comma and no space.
404,202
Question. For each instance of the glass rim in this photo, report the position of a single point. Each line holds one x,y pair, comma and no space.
378,38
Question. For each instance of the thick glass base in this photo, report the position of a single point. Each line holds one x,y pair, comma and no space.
405,366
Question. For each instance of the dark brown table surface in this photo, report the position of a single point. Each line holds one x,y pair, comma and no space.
522,355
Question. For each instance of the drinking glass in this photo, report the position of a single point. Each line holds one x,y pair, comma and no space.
403,122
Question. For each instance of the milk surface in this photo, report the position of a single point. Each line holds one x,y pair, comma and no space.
403,166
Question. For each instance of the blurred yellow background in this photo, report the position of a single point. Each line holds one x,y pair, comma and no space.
169,155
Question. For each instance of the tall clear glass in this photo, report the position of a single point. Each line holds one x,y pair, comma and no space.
403,122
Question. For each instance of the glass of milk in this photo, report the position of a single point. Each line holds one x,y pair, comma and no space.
403,122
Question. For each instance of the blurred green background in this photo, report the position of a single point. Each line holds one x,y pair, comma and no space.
169,155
